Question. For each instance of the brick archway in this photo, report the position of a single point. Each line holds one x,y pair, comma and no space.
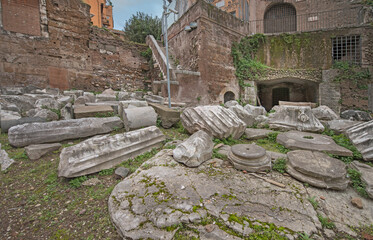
280,18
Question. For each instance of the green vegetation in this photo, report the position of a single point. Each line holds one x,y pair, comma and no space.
227,141
368,2
270,143
147,54
135,163
77,182
280,165
247,66
106,172
314,202
215,154
357,184
141,25
56,111
326,222
343,141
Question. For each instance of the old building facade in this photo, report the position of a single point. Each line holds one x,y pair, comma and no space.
303,42
101,13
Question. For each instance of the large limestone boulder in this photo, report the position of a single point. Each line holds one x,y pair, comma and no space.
47,103
366,175
195,150
231,103
356,115
257,133
167,194
135,118
246,117
255,110
56,131
5,160
340,125
313,142
46,114
216,120
23,102
317,169
295,118
36,151
361,136
103,152
324,113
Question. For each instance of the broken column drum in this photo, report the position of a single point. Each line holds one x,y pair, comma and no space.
249,157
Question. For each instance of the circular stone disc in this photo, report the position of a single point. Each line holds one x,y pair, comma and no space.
248,151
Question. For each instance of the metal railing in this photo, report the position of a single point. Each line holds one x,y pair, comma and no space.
309,22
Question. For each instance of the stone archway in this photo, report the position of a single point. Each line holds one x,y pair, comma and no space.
280,18
228,96
287,89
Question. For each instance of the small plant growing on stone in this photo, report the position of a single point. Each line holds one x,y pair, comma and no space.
215,154
280,165
314,202
326,222
357,184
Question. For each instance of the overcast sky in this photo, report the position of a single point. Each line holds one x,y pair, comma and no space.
124,9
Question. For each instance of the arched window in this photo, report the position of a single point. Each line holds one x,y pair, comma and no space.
228,96
280,18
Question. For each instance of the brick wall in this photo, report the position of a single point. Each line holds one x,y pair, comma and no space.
71,54
207,49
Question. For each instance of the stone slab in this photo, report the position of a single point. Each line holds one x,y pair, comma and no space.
81,111
113,104
57,131
168,116
256,133
341,125
317,169
104,152
36,151
313,142
297,104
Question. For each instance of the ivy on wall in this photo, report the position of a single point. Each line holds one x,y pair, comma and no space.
244,60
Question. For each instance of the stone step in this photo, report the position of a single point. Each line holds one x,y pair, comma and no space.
81,111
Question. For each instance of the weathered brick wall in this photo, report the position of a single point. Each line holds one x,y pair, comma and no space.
75,55
207,49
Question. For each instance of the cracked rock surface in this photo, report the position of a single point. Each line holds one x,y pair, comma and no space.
149,201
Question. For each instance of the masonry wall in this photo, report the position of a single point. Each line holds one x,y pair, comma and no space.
311,49
207,49
71,55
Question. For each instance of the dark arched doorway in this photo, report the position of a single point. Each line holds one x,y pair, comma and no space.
228,96
280,18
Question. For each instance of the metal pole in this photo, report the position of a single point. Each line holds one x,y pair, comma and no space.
165,13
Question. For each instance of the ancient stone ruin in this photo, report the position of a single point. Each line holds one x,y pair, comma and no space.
268,133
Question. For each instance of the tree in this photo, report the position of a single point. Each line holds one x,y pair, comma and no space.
141,25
